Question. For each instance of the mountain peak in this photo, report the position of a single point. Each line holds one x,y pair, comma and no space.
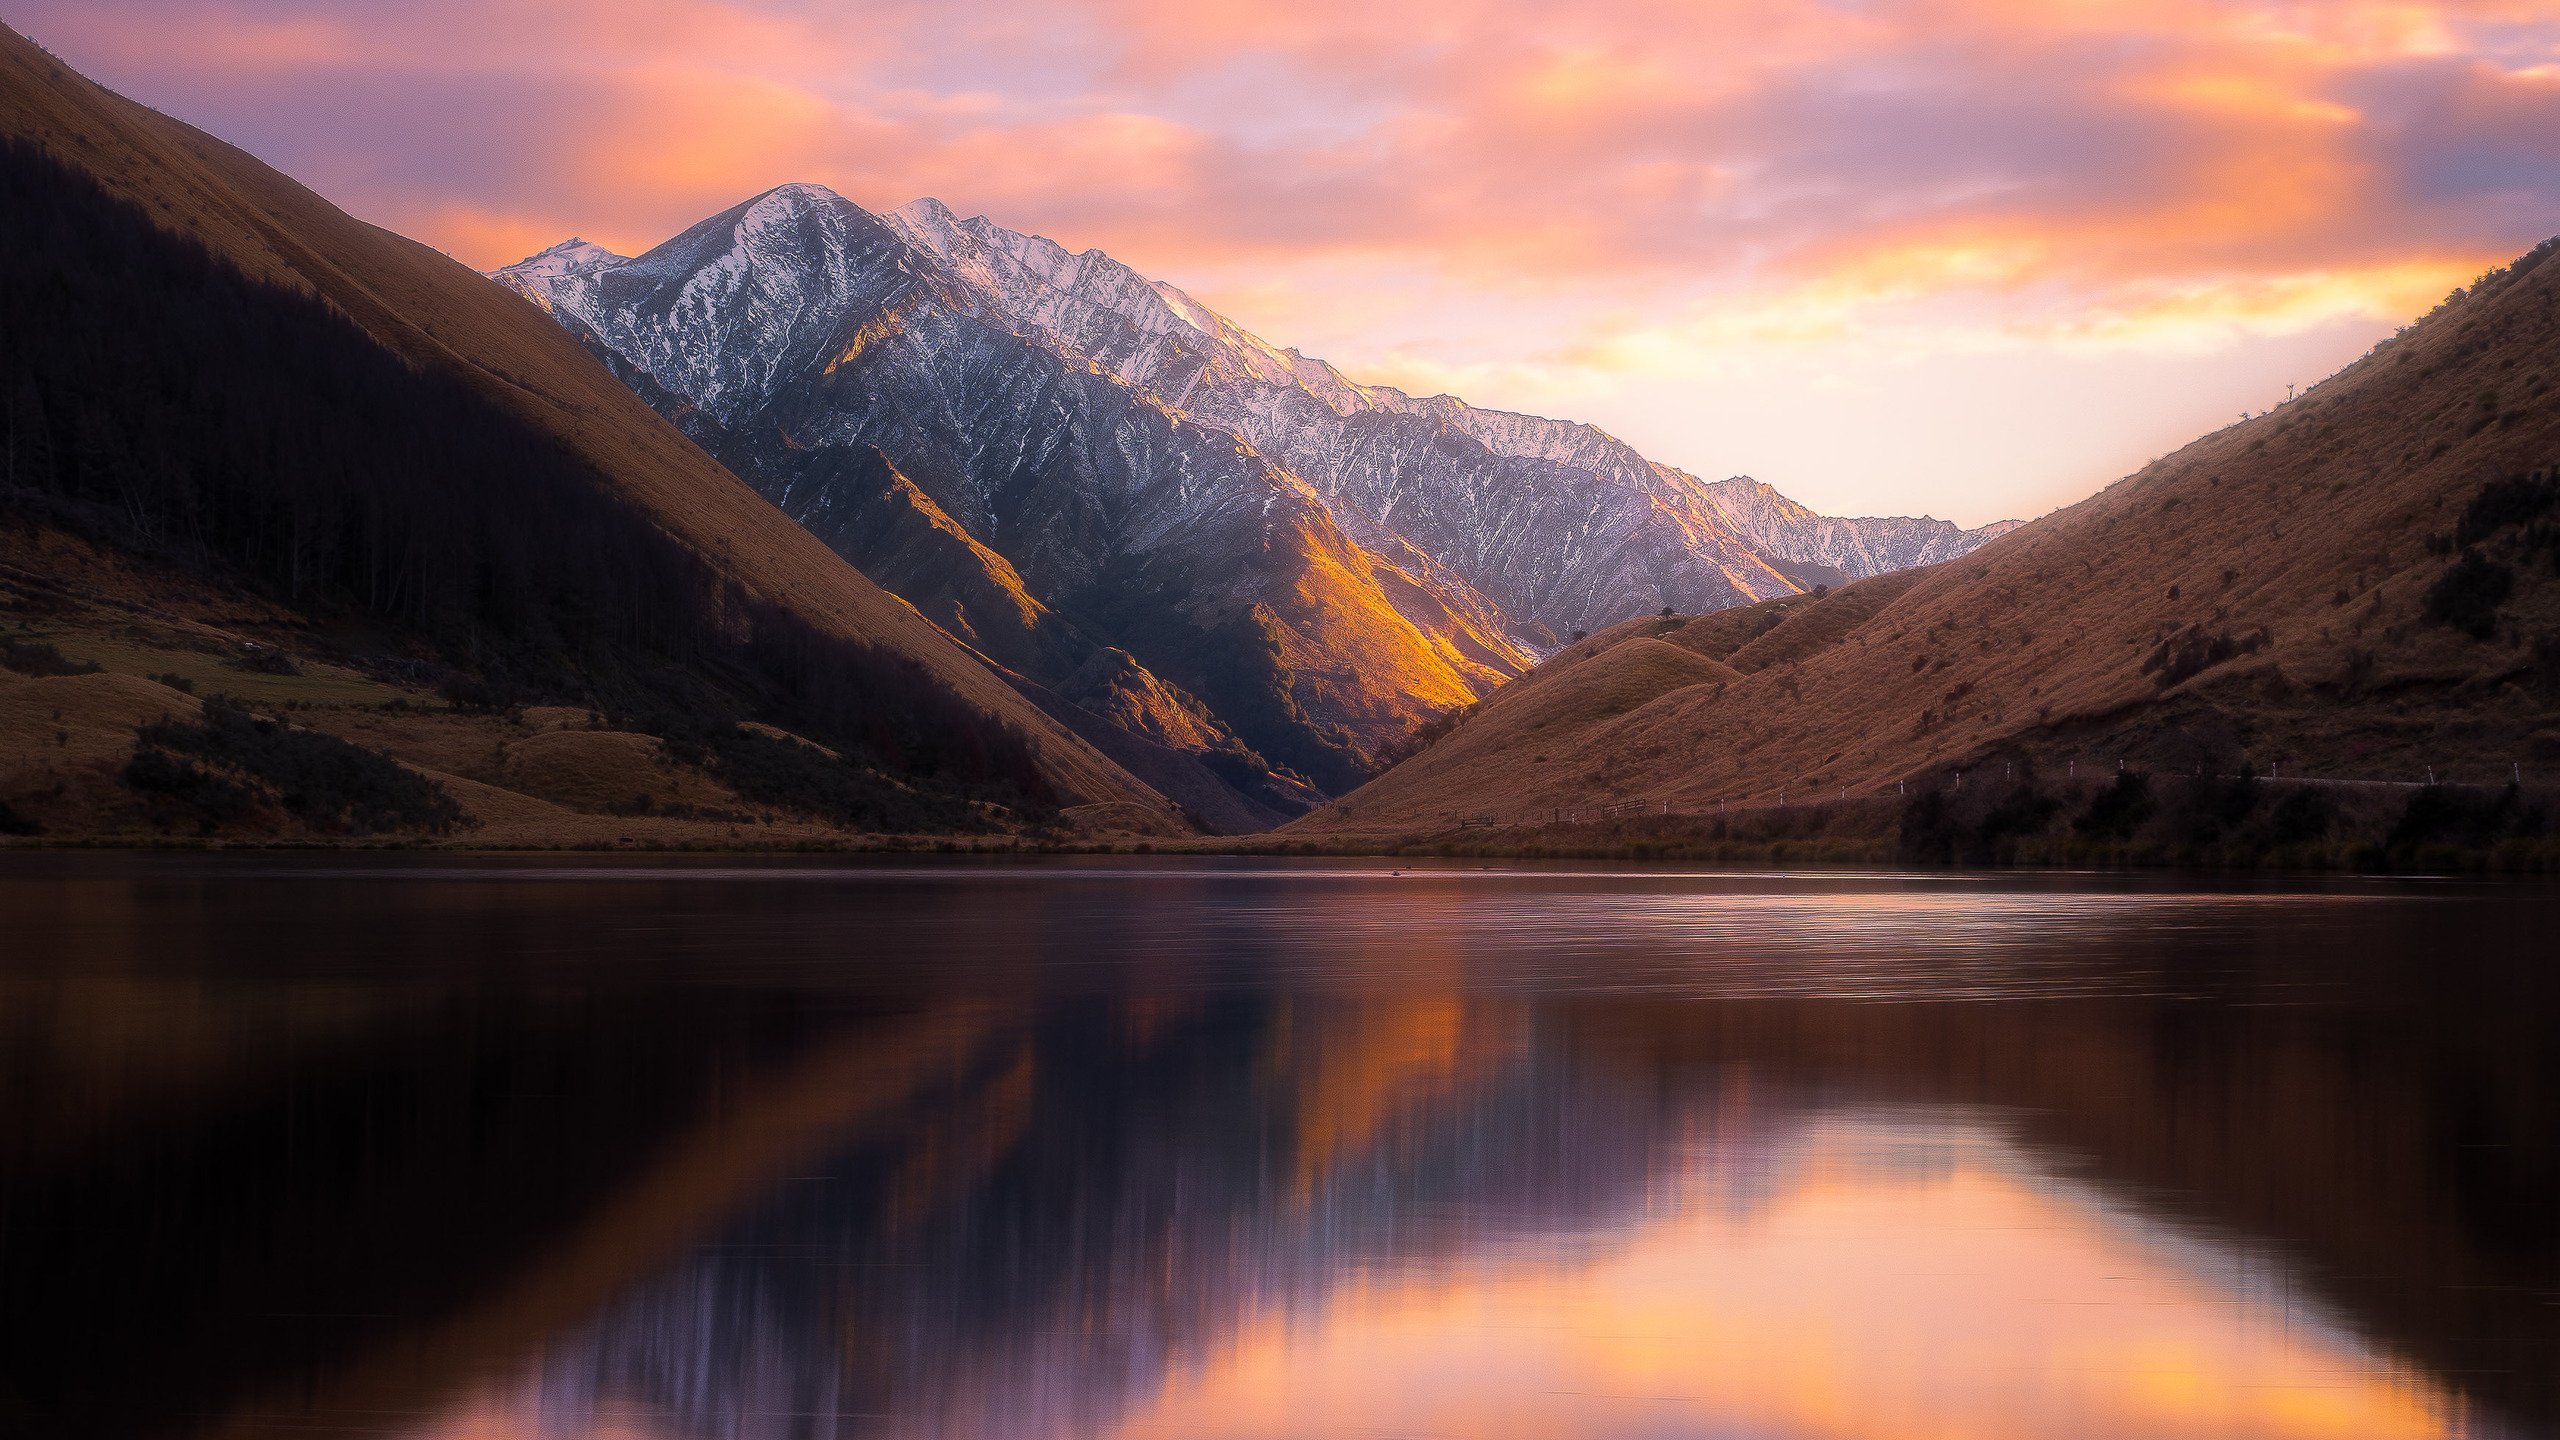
794,204
569,257
926,209
802,192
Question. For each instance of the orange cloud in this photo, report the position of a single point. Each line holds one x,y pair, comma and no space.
1484,186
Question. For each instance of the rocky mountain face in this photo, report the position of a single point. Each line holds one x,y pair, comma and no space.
1790,534
1560,525
1067,523
1147,513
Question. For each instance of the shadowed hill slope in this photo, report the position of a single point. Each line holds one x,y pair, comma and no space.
2364,583
466,337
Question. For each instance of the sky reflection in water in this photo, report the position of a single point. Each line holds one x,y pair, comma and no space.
1201,1154
1770,1268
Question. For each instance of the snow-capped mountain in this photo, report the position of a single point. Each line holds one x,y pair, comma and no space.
1786,531
1047,512
1559,524
1061,461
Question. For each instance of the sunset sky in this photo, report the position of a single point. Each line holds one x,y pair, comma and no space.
1973,258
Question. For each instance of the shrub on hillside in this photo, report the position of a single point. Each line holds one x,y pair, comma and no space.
40,657
1929,831
790,775
266,660
2022,812
2303,816
2118,810
2468,595
327,783
1978,827
211,799
471,693
2201,809
2500,504
2194,650
2444,815
1422,736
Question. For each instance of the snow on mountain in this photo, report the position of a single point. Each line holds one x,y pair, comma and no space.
899,386
1558,524
572,256
726,311
1144,331
1315,562
1857,547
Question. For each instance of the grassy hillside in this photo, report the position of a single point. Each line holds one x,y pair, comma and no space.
2363,585
212,372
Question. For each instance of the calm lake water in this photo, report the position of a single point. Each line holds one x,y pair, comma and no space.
468,1149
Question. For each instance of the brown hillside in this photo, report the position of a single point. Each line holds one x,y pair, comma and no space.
546,777
2262,595
441,316
1547,725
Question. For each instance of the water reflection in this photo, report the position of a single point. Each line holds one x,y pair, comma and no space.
1419,1218
1203,1155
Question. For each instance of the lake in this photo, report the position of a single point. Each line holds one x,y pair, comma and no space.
455,1148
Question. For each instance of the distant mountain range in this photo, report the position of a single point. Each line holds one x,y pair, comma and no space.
1140,510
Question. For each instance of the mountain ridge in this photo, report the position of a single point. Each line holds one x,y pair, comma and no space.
1236,379
2362,585
1322,566
796,333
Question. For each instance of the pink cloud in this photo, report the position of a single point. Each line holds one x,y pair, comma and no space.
1489,136
1584,171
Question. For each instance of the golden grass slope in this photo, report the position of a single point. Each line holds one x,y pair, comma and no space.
441,315
1542,725
2300,539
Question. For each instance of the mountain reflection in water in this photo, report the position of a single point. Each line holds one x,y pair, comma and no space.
516,1152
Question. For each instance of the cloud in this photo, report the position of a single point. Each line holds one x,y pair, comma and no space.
1488,187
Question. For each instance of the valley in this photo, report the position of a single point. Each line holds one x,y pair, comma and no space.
815,526
1125,498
